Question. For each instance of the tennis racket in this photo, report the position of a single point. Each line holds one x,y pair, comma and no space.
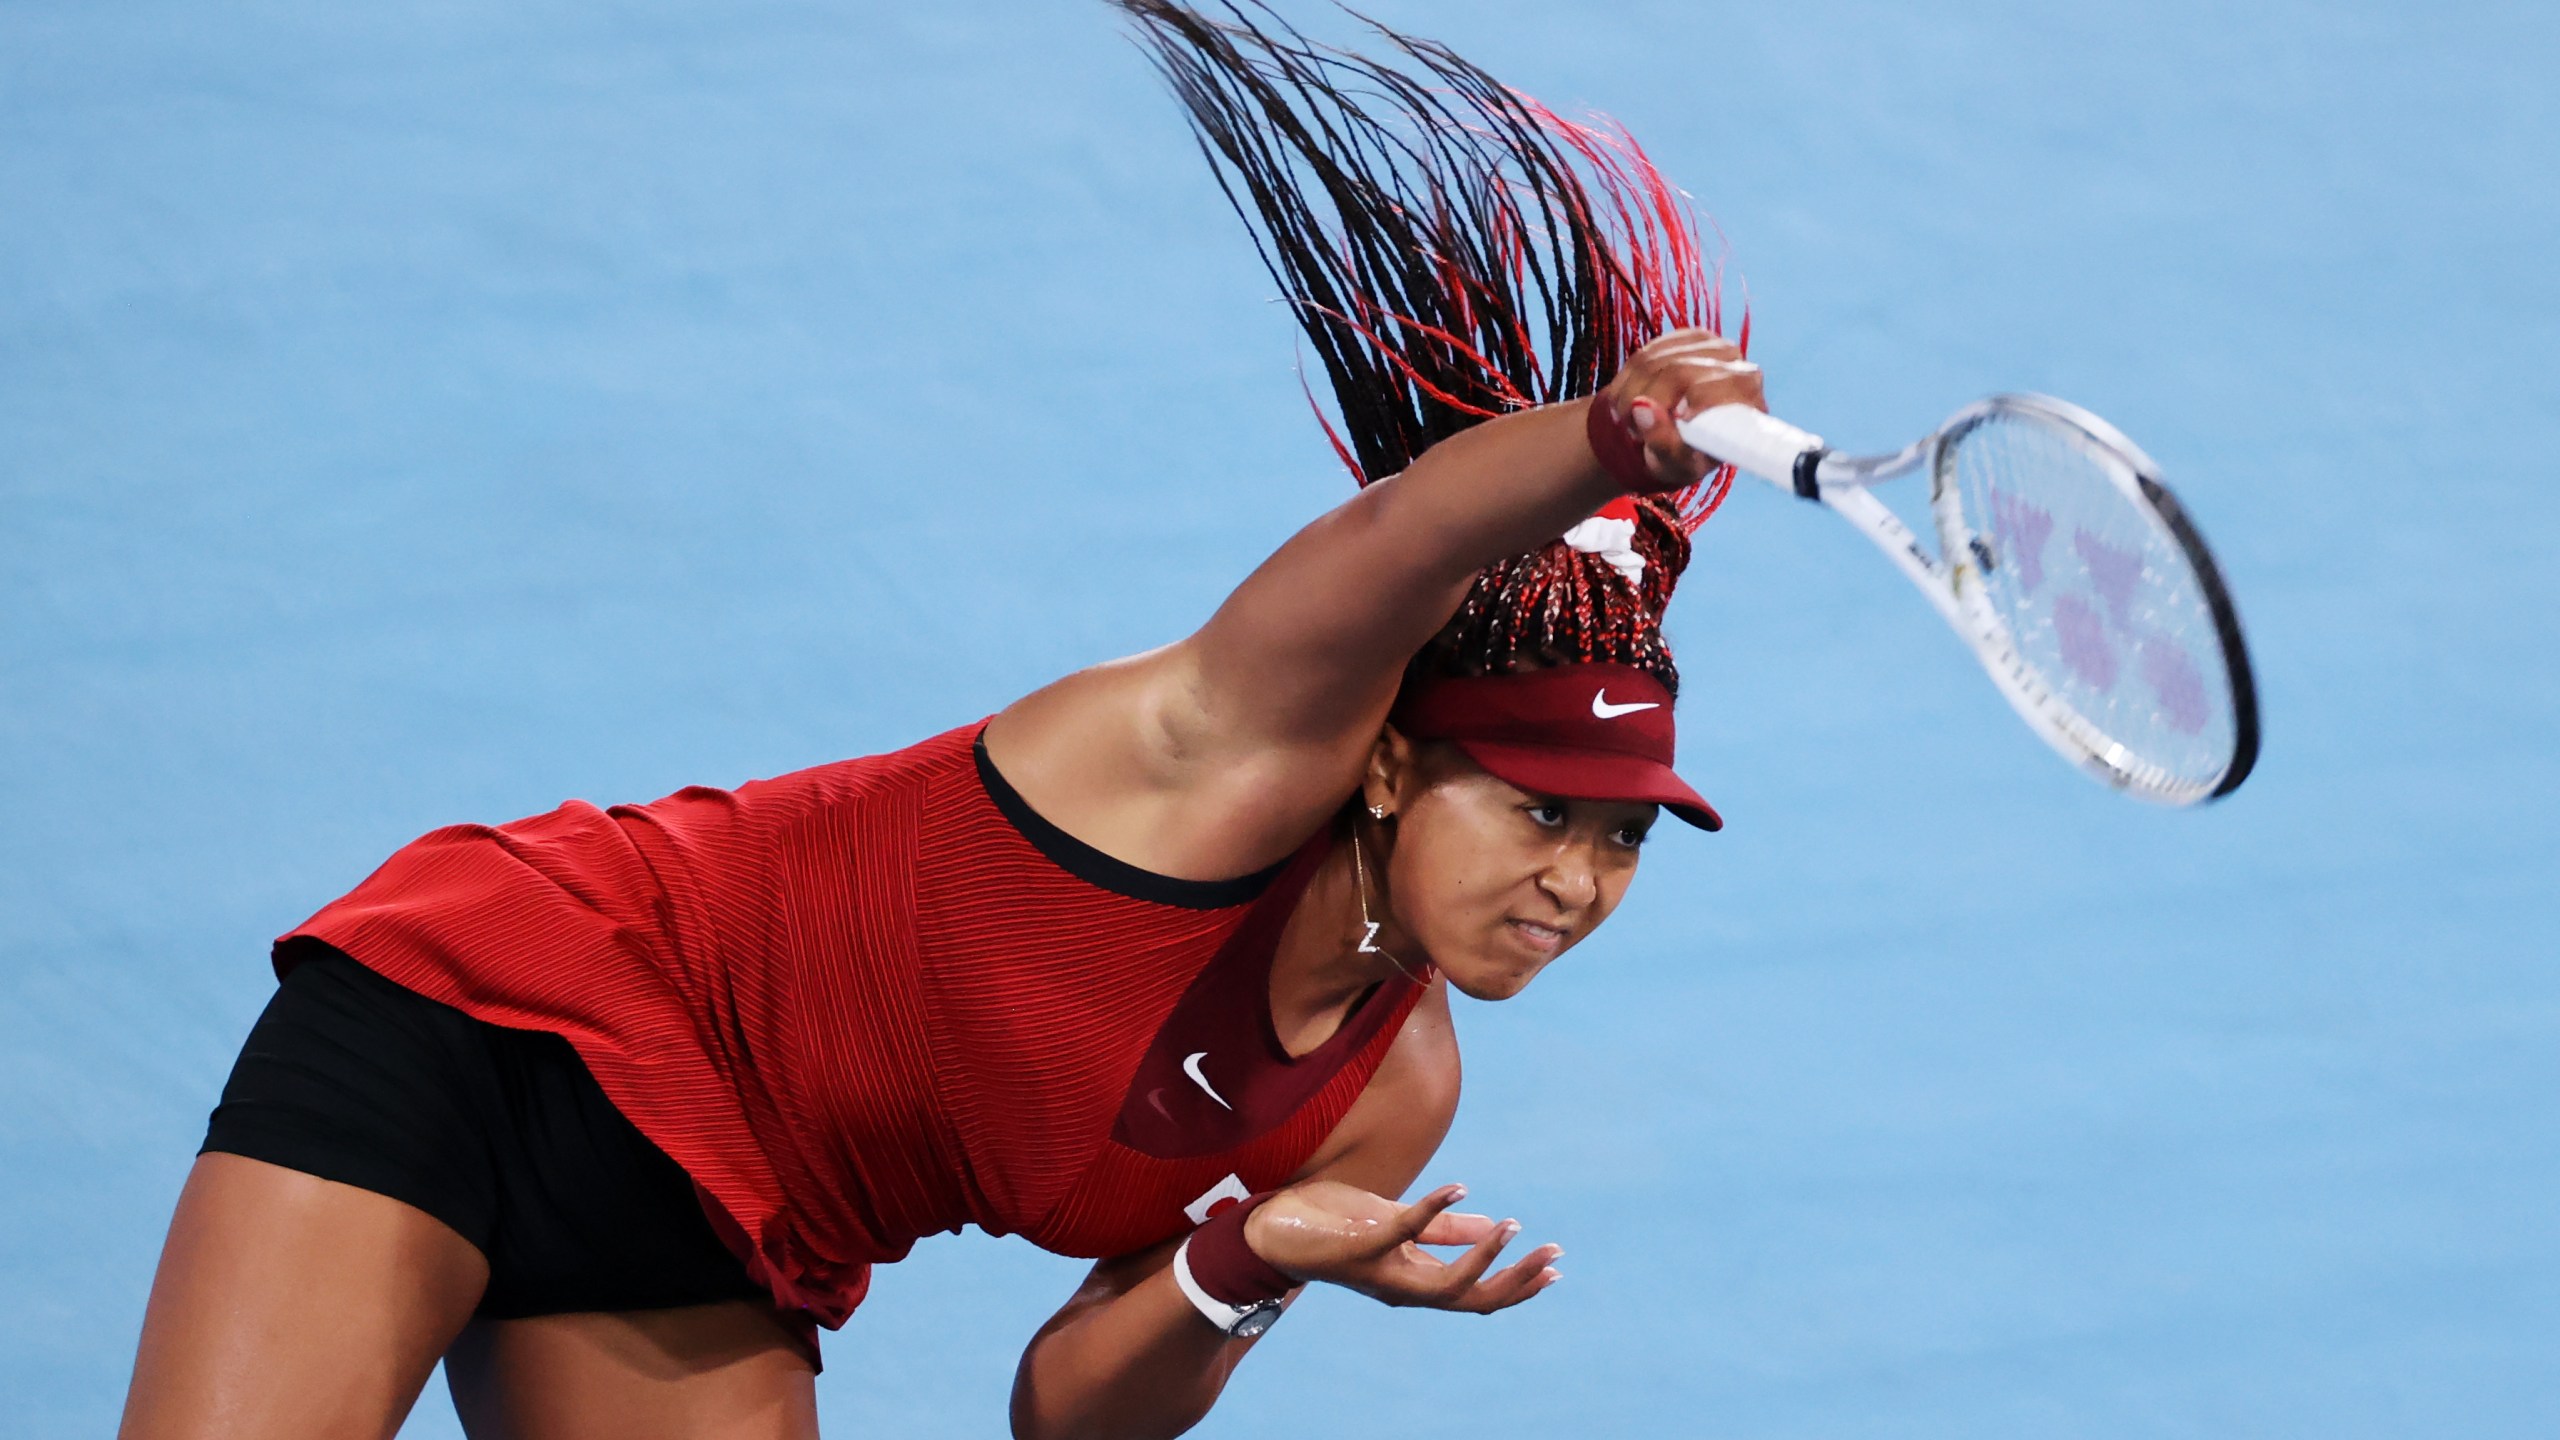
2070,569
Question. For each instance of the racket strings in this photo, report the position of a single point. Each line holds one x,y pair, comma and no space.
2099,600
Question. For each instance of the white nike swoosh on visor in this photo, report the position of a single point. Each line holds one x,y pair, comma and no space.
1601,707
1191,1067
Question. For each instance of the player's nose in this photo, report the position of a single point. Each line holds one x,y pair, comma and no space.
1570,880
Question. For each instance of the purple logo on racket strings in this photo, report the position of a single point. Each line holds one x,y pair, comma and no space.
2022,528
2173,677
2090,651
2167,668
2083,638
2113,572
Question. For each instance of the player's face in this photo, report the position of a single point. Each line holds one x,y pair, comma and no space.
1493,882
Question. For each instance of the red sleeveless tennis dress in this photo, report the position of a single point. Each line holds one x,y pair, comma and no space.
877,999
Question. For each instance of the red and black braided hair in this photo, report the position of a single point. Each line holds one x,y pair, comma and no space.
1454,251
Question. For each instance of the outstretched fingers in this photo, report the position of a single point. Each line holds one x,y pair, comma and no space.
1454,1228
1394,1267
1460,1275
1532,1273
1413,1223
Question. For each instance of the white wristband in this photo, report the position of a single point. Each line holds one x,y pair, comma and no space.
1241,1321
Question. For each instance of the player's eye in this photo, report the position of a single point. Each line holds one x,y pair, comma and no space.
1632,836
1546,816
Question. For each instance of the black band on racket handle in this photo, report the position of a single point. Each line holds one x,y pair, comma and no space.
1808,485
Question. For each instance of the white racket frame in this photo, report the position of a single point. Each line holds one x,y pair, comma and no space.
1796,460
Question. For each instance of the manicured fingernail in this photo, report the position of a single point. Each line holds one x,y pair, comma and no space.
1510,1228
1457,1193
1641,414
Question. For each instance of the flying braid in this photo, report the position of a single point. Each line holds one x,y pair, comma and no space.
1454,251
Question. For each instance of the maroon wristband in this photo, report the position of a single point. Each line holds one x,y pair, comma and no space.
1225,1267
1615,446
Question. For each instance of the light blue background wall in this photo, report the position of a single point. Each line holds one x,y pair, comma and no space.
419,412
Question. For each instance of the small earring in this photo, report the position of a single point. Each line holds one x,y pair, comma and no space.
1377,812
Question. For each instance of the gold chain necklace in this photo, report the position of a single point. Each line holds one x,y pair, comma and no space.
1369,935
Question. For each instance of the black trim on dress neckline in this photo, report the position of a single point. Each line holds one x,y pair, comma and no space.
1109,872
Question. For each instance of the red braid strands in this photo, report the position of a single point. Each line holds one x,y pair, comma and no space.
1648,244
1454,250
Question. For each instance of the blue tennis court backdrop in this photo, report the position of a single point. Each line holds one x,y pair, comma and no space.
422,412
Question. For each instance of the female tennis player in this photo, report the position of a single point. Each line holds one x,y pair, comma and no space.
612,1109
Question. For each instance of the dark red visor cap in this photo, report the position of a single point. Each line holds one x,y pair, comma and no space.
1579,732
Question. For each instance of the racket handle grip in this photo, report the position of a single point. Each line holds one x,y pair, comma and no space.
1763,445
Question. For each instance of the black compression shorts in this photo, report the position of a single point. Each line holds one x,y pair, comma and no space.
501,1134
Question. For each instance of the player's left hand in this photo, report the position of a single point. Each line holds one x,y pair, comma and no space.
1326,1230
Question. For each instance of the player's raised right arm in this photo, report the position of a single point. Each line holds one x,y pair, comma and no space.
1215,755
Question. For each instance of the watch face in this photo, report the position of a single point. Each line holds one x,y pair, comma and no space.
1256,1320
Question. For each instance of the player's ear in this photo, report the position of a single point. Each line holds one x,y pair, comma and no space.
1390,775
